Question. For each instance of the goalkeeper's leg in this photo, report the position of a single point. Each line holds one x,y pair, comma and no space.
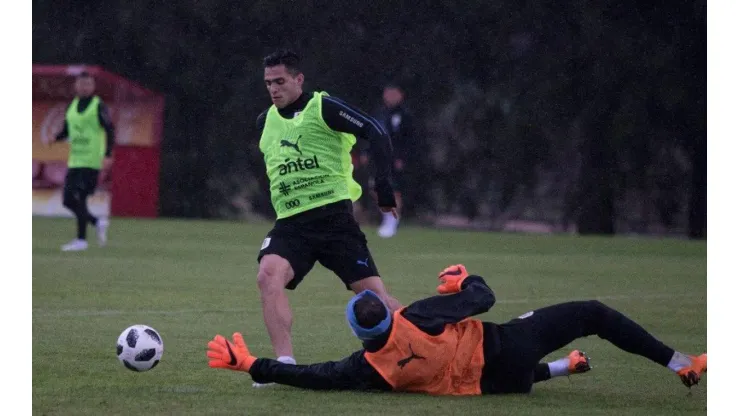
556,326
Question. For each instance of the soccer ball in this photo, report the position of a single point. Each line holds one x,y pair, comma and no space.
139,348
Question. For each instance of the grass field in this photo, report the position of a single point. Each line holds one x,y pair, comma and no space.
193,279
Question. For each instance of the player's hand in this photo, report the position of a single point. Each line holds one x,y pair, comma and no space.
451,279
222,353
107,163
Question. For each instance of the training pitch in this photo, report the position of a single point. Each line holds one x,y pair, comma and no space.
193,279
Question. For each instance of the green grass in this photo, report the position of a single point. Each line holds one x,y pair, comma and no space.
191,280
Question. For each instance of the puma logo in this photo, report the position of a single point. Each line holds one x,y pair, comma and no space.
364,263
286,143
402,363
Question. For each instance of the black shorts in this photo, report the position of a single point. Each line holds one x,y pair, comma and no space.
523,342
82,180
333,238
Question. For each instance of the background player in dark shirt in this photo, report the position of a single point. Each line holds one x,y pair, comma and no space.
511,352
397,121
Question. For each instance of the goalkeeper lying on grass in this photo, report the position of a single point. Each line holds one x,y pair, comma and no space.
433,347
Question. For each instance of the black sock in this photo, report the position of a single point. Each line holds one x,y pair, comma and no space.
81,227
83,217
73,202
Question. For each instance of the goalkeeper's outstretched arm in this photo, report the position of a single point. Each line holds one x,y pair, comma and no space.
351,373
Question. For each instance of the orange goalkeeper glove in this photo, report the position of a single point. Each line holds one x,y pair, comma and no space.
451,279
222,353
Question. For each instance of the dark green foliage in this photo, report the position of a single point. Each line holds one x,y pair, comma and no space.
585,112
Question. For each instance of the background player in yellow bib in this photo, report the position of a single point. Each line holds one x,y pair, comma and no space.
89,129
306,142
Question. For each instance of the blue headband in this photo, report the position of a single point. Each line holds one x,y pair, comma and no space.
366,333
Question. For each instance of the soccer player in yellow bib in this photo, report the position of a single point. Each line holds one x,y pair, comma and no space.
89,129
306,142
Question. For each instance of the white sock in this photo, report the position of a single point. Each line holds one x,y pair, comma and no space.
286,359
389,218
679,361
559,367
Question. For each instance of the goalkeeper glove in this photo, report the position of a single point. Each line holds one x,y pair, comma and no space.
451,279
222,353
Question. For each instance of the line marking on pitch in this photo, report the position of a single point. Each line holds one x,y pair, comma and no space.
42,313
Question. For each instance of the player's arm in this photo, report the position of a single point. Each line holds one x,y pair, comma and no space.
351,373
64,134
342,117
432,314
107,123
261,119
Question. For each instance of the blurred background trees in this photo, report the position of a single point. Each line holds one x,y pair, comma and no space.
589,115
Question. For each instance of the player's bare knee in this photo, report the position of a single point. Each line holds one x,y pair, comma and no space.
273,275
375,284
270,281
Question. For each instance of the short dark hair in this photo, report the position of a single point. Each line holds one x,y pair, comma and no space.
83,74
394,84
286,57
369,311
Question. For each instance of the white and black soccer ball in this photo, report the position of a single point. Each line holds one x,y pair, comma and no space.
140,348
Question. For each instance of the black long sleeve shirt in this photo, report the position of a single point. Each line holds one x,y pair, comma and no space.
104,119
398,122
354,372
345,118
